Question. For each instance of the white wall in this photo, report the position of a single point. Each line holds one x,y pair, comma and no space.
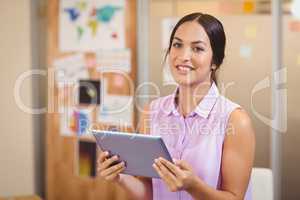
16,136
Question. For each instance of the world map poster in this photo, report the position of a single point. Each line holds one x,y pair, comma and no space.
90,25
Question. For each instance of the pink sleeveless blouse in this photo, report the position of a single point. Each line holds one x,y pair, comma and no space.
198,138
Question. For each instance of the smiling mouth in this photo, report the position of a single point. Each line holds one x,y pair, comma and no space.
184,68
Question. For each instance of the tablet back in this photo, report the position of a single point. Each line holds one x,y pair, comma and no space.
137,150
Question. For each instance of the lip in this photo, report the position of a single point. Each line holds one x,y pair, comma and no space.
184,69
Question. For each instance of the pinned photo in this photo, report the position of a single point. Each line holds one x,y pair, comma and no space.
89,92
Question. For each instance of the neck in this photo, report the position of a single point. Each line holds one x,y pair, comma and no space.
190,96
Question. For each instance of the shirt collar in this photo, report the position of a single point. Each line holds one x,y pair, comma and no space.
171,107
203,108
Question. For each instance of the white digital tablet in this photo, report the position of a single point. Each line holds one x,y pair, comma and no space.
137,150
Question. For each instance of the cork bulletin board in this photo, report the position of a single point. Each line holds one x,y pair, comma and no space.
63,179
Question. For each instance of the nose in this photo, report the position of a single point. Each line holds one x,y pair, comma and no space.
185,54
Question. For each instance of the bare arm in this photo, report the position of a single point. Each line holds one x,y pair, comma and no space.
237,161
137,187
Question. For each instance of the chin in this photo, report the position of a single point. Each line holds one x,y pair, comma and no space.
190,82
184,82
187,79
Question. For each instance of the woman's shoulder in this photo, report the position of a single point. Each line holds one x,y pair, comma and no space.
234,111
227,101
237,120
227,105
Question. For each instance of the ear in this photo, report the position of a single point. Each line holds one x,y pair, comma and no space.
213,67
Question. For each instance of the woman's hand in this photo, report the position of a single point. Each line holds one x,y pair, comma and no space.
107,169
178,176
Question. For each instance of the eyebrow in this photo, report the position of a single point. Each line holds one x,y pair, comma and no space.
195,42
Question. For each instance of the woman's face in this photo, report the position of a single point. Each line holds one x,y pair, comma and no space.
190,55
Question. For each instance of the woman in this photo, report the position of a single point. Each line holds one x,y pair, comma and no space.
210,138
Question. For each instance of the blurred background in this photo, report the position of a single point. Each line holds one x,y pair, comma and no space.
31,41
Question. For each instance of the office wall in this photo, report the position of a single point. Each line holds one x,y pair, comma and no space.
16,141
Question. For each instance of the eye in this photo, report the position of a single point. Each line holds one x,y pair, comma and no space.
198,49
176,45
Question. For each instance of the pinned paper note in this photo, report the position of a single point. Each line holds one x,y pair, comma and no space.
67,121
91,62
69,70
84,121
119,59
119,80
104,88
116,110
250,32
91,25
248,6
227,7
245,51
295,8
89,92
294,26
65,97
87,158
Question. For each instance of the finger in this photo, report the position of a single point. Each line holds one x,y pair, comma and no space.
166,172
114,174
112,169
103,155
183,165
108,162
160,173
175,169
172,183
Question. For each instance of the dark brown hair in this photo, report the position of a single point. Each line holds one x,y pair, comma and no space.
214,29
